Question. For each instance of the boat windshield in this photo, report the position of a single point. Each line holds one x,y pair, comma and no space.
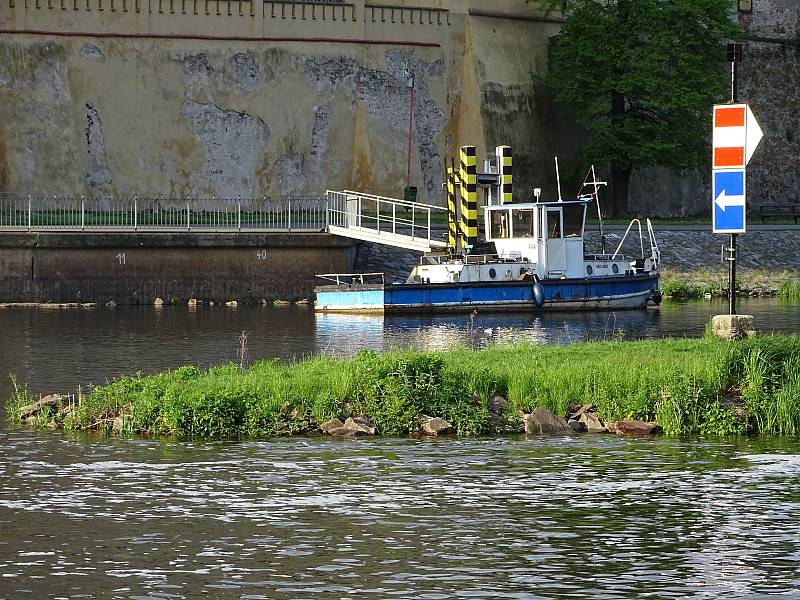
523,223
500,224
573,220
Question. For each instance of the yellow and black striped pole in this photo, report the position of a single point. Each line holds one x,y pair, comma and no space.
469,195
452,216
504,158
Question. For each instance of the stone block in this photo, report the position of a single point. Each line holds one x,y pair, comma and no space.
732,327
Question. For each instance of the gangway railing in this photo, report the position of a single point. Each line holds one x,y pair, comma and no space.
145,214
380,219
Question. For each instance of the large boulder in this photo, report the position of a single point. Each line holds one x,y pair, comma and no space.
434,425
592,422
360,426
542,420
634,427
329,426
577,426
497,404
576,413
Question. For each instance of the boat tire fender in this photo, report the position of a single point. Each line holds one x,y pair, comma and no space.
538,294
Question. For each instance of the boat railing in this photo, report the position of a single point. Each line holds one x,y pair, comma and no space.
434,259
481,259
601,257
353,278
655,253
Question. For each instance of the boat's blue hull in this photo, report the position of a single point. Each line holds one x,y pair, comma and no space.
559,294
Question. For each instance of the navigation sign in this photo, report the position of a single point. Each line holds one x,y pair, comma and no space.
736,135
729,200
735,138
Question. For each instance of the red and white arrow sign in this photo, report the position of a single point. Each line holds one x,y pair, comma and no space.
736,135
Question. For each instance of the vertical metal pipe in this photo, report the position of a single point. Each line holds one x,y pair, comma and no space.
732,274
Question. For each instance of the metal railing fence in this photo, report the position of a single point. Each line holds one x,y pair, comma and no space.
54,213
381,215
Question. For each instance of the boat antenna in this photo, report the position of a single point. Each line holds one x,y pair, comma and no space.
558,180
596,195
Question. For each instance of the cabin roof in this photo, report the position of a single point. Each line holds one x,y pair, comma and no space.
535,204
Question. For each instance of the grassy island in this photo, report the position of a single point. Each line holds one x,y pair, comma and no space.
705,386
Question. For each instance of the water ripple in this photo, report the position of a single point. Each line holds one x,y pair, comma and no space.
521,517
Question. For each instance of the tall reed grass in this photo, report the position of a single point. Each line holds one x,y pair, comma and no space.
688,386
790,289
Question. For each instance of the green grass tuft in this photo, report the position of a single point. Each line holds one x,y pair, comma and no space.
689,386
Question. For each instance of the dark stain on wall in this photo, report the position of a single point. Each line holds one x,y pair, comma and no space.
3,165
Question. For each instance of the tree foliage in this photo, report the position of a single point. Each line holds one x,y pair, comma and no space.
641,76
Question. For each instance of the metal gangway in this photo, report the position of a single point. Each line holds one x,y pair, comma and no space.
383,220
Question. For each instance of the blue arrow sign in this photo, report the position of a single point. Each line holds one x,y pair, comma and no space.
728,201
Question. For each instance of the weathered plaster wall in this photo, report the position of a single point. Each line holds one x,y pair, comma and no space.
287,98
249,97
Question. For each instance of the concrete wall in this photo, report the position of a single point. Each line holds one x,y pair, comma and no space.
137,268
246,98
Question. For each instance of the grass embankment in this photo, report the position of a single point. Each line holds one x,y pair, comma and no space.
681,285
705,386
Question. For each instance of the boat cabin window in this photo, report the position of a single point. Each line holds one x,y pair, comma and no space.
501,228
523,223
573,220
554,224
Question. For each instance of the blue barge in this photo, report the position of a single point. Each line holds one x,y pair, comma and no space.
533,259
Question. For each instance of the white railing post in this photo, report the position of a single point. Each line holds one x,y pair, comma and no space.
135,213
239,215
289,216
429,225
378,207
394,216
413,219
83,212
188,217
30,201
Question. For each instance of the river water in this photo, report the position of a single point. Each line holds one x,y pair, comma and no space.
517,517
513,517
54,349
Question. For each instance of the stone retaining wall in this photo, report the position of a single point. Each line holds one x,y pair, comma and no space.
137,268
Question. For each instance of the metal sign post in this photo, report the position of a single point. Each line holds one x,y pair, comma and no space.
736,135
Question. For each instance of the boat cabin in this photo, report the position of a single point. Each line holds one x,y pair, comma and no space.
549,234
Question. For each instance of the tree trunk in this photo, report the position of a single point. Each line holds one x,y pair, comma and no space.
620,177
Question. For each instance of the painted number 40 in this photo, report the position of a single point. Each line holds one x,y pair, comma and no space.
261,254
